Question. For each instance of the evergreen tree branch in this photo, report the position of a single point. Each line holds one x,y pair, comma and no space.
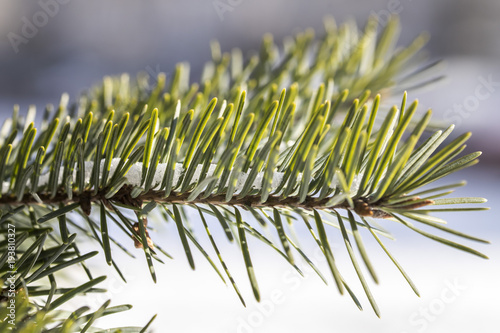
296,135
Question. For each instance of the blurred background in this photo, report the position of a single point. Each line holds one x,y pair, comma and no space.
48,47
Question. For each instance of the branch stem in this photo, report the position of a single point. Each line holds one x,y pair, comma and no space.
123,196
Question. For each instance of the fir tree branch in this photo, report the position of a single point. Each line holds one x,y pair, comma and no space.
292,132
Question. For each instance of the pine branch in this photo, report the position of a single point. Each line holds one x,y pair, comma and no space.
294,135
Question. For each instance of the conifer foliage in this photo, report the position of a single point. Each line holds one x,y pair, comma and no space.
297,134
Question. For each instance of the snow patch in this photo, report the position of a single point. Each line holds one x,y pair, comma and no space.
134,176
